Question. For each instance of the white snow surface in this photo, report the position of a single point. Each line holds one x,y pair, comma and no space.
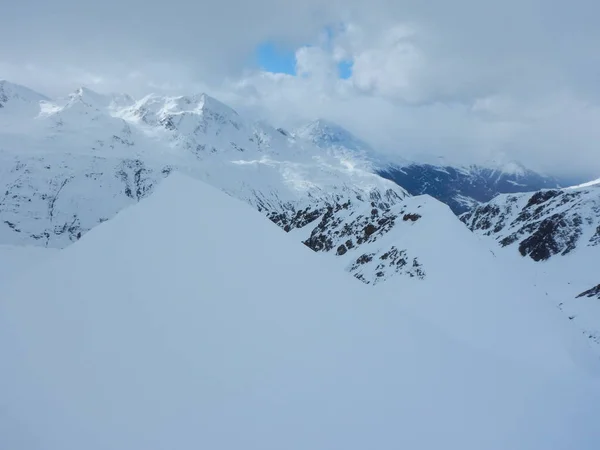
573,268
588,184
68,164
16,259
189,321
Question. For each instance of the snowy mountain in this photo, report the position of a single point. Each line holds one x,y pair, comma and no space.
189,321
462,188
68,165
588,184
335,140
408,239
542,224
12,95
326,134
459,187
75,162
551,237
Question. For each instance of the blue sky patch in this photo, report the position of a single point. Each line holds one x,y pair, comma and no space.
345,69
273,58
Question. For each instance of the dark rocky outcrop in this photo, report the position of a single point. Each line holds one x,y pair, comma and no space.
541,224
593,292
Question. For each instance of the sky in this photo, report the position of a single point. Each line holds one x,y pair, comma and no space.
467,81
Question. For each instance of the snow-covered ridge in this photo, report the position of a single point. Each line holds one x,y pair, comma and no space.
463,187
584,185
188,316
325,134
10,92
70,164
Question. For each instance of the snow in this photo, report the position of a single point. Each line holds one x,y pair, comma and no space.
326,134
571,268
466,201
584,185
333,139
17,104
190,321
15,260
11,92
68,164
512,167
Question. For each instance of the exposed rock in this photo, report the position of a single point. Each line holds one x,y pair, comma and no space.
556,234
542,224
411,217
370,229
595,239
593,292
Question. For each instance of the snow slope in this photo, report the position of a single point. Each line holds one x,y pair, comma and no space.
552,239
588,184
189,321
17,259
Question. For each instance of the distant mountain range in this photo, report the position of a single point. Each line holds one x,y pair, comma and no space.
67,165
460,187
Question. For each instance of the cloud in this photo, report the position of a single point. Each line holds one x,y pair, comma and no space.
465,79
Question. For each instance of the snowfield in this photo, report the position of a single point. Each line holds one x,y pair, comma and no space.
16,259
178,327
174,275
552,239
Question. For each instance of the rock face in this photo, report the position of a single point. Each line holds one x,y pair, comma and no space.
51,202
543,224
368,240
591,293
462,188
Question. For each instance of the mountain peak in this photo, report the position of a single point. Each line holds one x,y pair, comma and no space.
15,91
206,102
325,133
88,97
197,103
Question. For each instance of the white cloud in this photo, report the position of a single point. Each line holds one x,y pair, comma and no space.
466,79
391,67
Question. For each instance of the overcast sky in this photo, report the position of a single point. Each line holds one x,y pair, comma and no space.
468,80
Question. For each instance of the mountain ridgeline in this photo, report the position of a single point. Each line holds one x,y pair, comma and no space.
205,272
462,188
70,164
